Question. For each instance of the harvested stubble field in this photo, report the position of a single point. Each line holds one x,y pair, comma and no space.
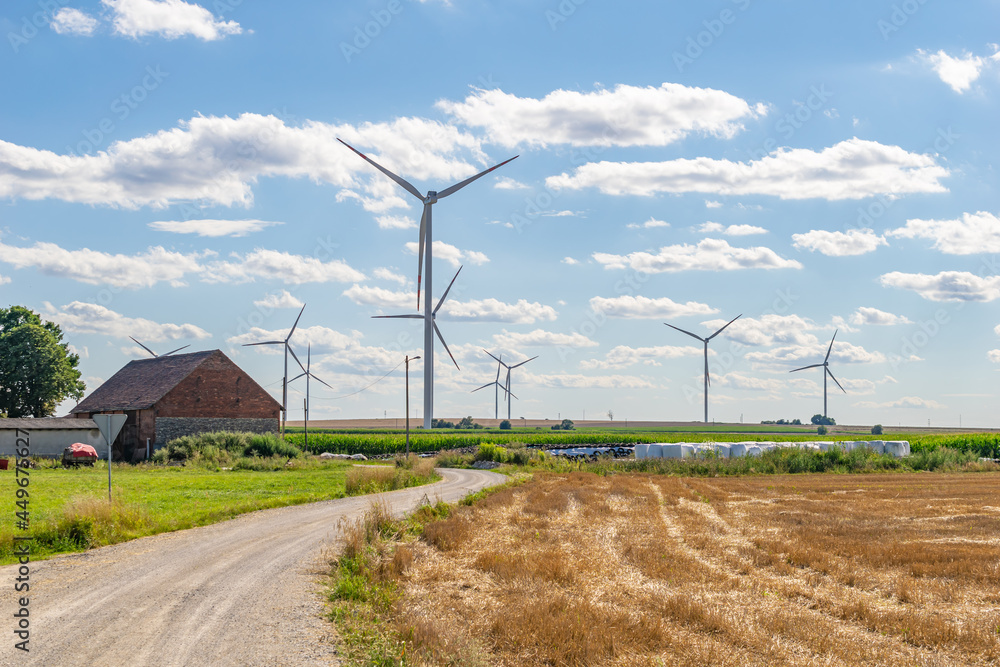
581,569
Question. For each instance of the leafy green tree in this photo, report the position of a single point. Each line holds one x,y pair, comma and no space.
37,370
505,425
821,430
877,429
820,420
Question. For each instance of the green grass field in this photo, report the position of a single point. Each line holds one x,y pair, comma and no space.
69,509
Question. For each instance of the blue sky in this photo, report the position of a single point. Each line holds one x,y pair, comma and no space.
169,170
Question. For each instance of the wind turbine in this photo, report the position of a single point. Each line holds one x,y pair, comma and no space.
284,378
429,349
509,369
308,374
425,241
496,392
705,341
826,370
155,355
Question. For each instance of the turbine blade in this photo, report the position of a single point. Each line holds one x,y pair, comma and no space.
727,324
403,183
441,338
458,186
318,380
489,384
144,347
300,375
420,251
172,351
835,380
830,349
687,332
266,342
509,393
524,362
394,317
445,295
805,367
708,378
289,336
289,348
495,359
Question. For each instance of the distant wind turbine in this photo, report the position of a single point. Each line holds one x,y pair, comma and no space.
425,241
826,370
284,378
496,392
155,355
705,341
308,374
509,369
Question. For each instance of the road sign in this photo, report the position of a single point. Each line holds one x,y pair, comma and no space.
111,426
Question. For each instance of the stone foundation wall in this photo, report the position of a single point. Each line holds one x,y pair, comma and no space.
169,428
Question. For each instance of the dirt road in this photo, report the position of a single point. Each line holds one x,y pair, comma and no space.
243,592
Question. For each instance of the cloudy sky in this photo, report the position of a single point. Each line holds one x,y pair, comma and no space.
169,170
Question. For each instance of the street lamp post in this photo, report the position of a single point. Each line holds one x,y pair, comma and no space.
408,360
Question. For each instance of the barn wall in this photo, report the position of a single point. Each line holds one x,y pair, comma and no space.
168,428
218,388
51,442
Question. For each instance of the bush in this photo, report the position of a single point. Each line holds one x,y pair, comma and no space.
225,448
877,429
566,425
821,430
488,452
505,425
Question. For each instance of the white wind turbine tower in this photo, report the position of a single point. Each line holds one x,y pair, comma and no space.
284,378
425,242
509,369
155,355
496,392
705,341
308,374
434,328
826,370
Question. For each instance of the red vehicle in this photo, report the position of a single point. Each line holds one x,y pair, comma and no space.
79,454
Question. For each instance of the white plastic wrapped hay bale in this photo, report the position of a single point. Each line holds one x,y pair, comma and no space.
641,451
654,451
827,445
876,446
737,449
753,451
677,450
897,448
721,449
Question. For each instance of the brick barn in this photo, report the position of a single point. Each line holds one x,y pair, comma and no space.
171,396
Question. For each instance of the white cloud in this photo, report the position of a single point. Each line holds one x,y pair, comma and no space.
946,285
839,244
852,169
731,230
652,223
69,21
624,116
395,222
570,381
623,355
994,356
842,353
282,299
216,160
505,183
91,318
708,255
168,18
4,279
365,295
875,317
94,267
540,337
646,308
712,204
957,72
388,274
562,214
492,310
212,227
322,340
905,402
769,329
746,382
283,266
451,254
570,261
975,233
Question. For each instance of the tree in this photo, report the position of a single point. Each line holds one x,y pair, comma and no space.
877,429
37,370
821,430
819,420
611,415
505,425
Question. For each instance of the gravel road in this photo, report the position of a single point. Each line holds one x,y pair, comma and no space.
244,592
